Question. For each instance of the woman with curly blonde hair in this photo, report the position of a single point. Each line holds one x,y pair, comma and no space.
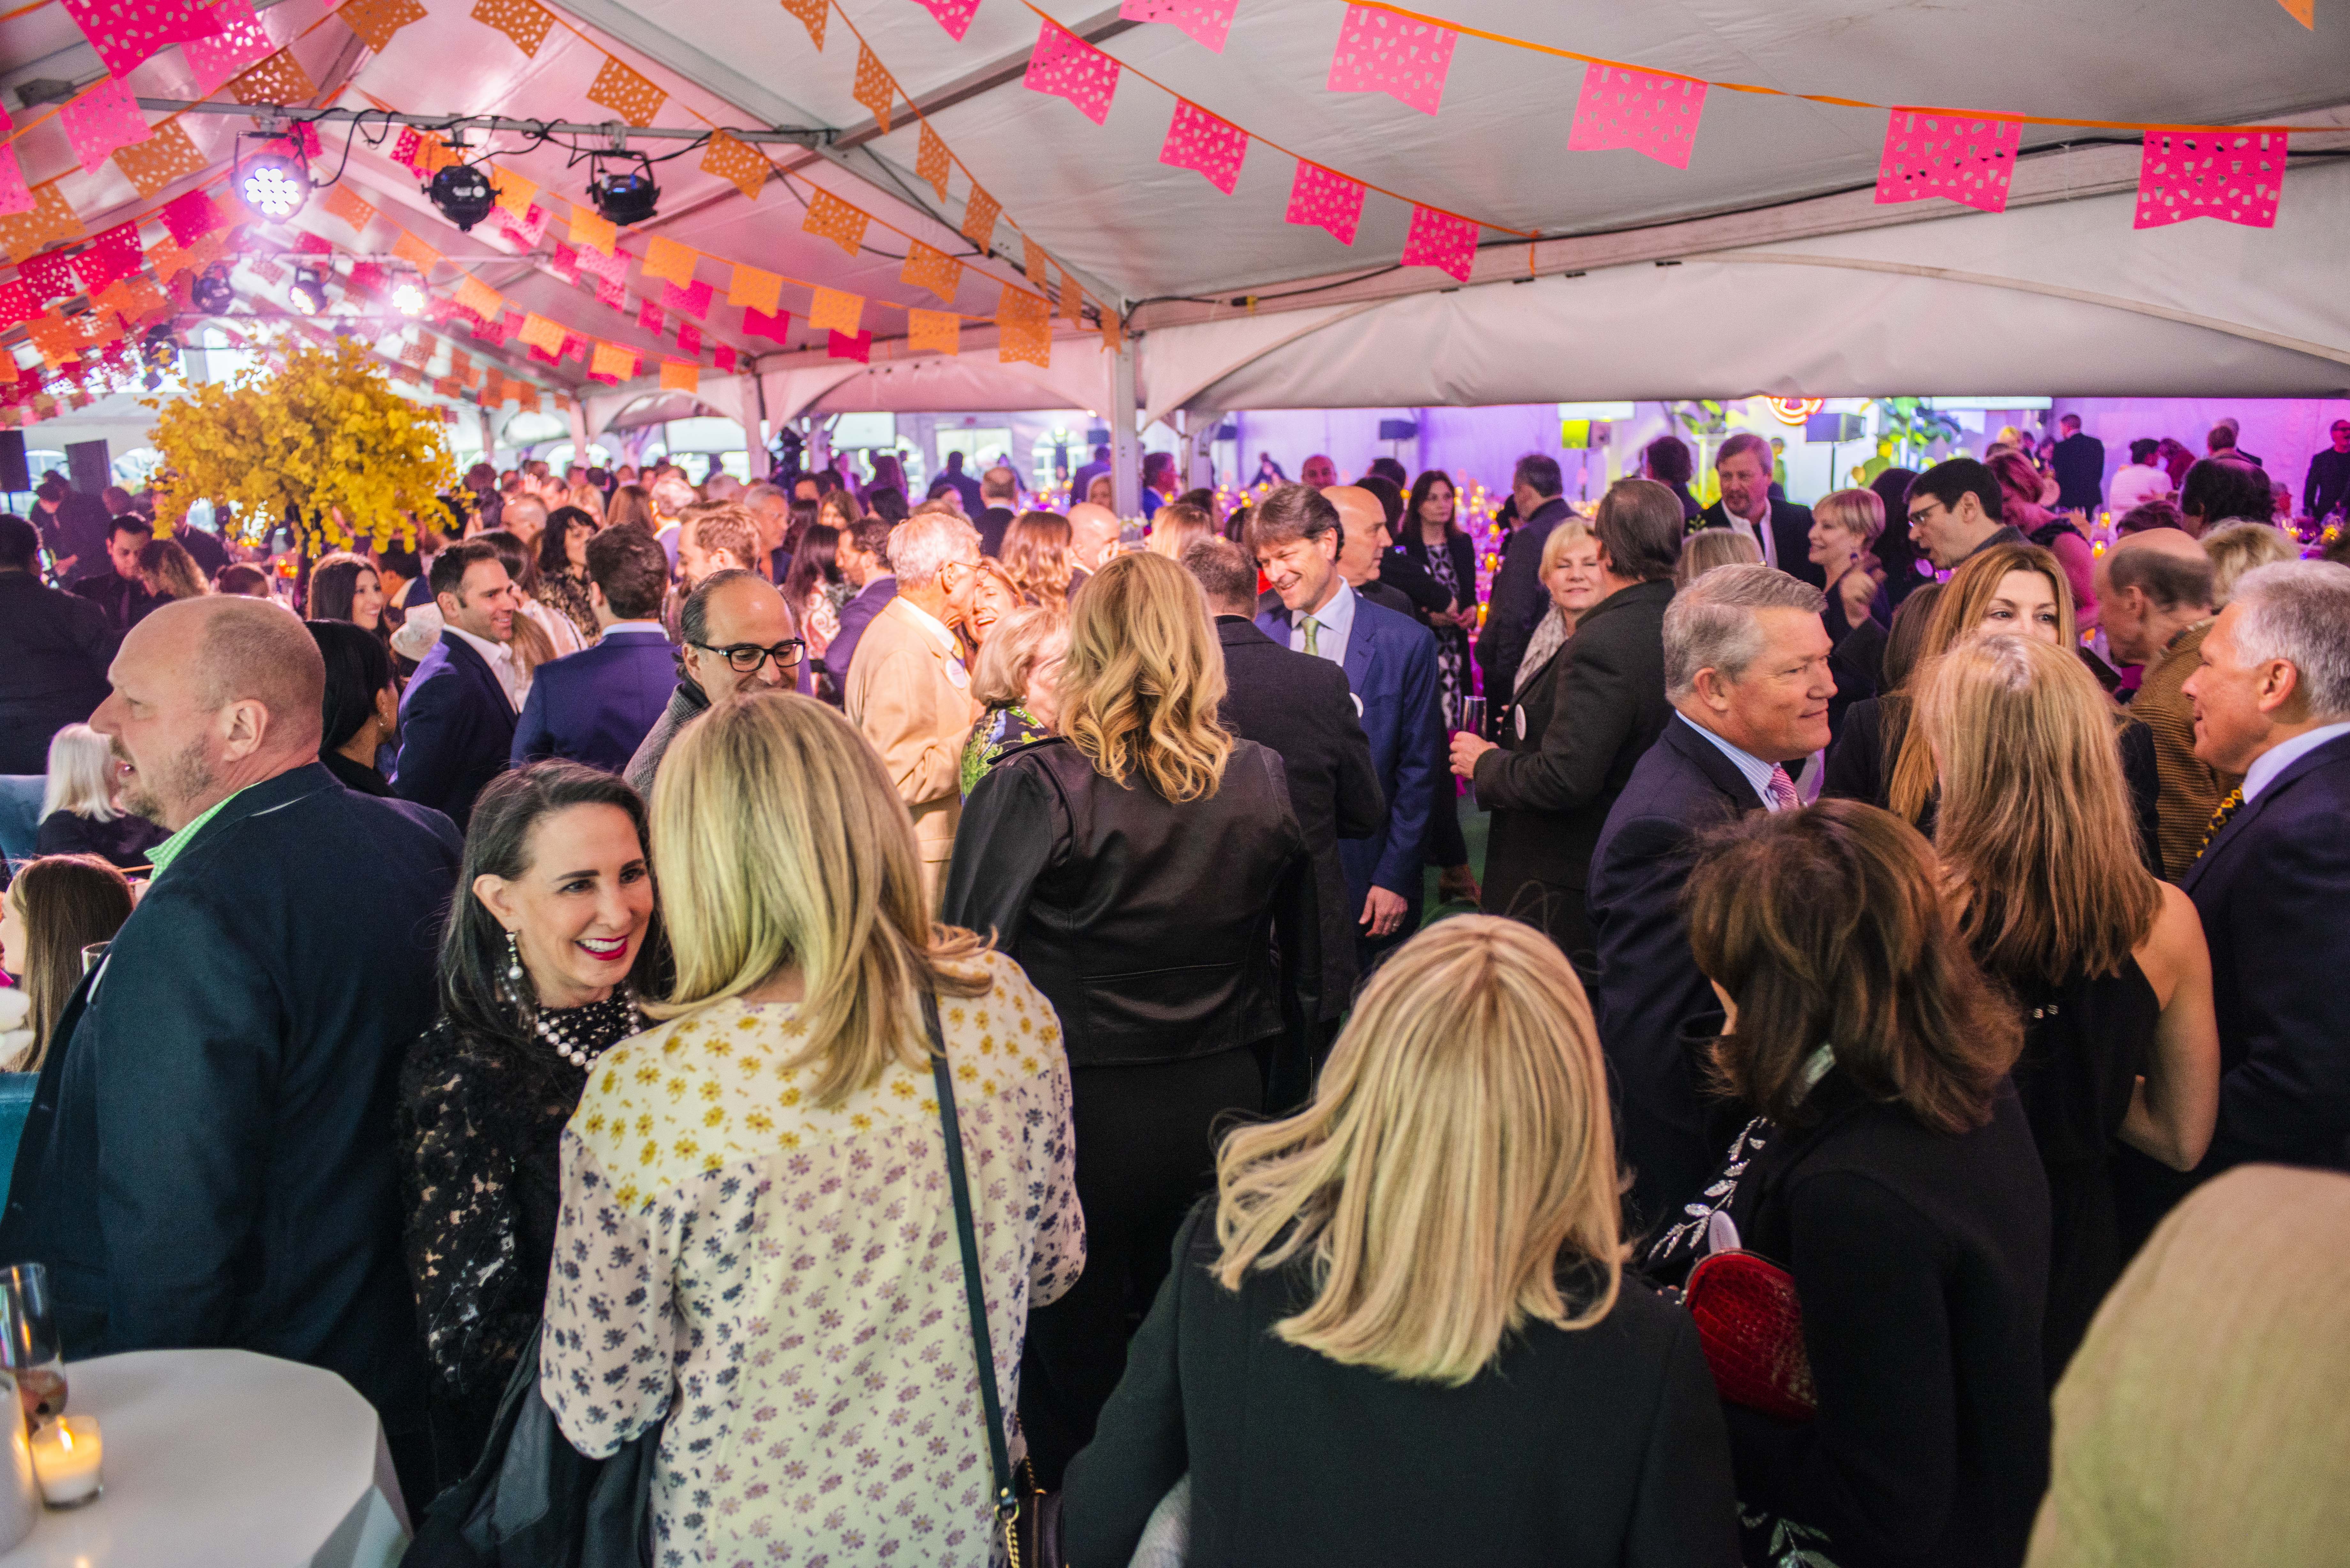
1422,1269
1139,865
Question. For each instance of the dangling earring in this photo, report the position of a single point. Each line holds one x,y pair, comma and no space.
514,957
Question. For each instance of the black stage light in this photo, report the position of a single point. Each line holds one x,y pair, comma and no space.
625,197
274,185
463,193
211,293
308,292
159,346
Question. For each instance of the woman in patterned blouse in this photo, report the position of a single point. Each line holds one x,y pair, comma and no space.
755,1250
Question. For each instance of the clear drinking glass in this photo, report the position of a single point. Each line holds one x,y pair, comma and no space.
91,953
28,1339
1473,715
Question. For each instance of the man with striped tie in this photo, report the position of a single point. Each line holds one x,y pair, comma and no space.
2272,703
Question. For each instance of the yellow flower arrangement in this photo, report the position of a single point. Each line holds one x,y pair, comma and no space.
322,434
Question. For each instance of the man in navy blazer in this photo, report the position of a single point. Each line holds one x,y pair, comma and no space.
1746,669
1390,665
596,706
1780,529
457,717
2273,702
209,1159
863,557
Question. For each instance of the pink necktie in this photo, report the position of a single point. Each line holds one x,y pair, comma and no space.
1782,788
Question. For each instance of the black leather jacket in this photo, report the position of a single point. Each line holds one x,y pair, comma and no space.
1159,932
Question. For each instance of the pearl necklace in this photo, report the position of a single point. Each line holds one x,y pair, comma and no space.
578,1053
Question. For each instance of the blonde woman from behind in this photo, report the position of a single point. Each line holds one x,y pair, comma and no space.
1401,1333
755,1250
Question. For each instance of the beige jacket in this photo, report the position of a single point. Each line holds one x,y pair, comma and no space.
911,696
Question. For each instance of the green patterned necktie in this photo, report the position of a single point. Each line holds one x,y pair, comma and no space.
2227,809
1312,645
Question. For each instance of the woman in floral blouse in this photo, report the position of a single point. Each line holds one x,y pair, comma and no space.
755,1250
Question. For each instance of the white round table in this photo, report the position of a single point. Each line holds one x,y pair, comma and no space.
223,1458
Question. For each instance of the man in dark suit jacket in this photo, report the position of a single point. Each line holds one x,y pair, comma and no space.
209,1159
2080,463
1781,529
1390,665
2272,703
54,647
1605,703
863,556
999,502
116,589
457,716
1518,597
1301,708
597,705
1746,668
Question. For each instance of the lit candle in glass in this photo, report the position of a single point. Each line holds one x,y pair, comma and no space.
66,1455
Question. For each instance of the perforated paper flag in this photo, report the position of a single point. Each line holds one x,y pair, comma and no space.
2235,176
480,298
515,193
101,120
1200,141
753,288
626,93
874,89
954,16
49,276
1379,51
980,212
1023,328
667,258
1644,110
1440,240
930,267
613,362
850,346
692,300
1206,20
279,79
242,42
190,217
565,262
15,196
416,253
932,162
681,376
1324,197
836,220
113,253
775,324
650,318
612,293
127,32
933,331
589,231
723,357
689,338
835,311
540,333
344,202
375,21
812,13
1967,158
168,154
1073,300
1068,67
524,21
733,159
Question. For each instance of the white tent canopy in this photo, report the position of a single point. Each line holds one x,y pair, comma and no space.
1789,279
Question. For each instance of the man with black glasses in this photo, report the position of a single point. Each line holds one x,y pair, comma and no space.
737,635
1954,511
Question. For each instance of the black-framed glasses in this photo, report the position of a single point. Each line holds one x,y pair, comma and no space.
1923,513
744,658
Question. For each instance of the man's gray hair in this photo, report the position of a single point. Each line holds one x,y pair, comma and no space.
762,491
1712,624
2299,611
921,544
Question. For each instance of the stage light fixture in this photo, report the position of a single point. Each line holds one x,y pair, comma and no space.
211,293
408,297
159,348
625,196
464,194
274,185
308,292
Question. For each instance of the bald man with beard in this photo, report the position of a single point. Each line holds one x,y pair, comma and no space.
208,1161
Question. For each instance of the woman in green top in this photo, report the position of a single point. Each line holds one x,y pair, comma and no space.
1012,679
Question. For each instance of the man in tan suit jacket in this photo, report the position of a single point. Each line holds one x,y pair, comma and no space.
909,692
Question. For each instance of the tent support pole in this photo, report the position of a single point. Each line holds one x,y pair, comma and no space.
1126,444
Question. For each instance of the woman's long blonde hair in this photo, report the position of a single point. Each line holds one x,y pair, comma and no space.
778,840
2036,826
1456,1160
1957,615
1142,679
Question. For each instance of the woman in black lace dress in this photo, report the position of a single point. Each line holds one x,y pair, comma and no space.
550,942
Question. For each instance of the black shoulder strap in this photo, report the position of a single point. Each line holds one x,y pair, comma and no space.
974,1290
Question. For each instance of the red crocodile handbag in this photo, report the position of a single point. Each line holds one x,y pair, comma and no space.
1751,1327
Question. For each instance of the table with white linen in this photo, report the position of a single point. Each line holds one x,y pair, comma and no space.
223,1459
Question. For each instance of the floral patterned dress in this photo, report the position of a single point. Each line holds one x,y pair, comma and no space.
780,1282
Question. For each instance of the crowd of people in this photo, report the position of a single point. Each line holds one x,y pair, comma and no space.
554,964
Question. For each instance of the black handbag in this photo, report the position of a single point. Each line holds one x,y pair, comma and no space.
1029,1516
533,1500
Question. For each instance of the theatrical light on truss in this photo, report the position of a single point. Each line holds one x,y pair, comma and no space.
159,346
464,194
274,186
308,292
626,197
211,293
408,297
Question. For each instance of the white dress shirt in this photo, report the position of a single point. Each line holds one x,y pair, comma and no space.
1334,623
1761,533
2281,756
498,656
